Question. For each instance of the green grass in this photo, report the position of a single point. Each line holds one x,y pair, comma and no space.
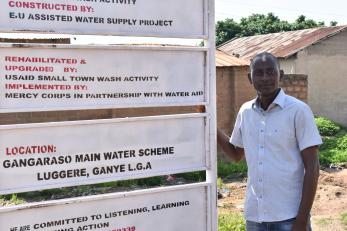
227,169
219,183
323,221
231,222
193,176
12,199
344,219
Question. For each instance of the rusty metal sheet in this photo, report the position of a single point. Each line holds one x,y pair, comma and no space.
282,45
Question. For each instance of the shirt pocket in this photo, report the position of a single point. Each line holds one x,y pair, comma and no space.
281,138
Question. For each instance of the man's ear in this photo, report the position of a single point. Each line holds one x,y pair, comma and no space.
281,75
250,78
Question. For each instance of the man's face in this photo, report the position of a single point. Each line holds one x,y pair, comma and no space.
265,76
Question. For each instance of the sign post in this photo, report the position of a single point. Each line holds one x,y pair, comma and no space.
41,78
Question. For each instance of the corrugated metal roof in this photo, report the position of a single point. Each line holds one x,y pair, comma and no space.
282,45
225,60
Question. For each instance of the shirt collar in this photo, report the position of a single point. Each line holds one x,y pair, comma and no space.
279,100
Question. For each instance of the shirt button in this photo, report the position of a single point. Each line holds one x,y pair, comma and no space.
260,163
260,180
260,197
261,130
262,147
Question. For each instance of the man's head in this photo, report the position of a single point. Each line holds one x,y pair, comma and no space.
265,74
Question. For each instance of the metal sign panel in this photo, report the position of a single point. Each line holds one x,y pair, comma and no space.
43,78
181,208
52,155
170,18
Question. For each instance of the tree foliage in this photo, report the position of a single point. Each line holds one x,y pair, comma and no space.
226,30
257,24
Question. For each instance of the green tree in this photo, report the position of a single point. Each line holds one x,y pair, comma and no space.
333,23
257,24
226,30
302,23
262,24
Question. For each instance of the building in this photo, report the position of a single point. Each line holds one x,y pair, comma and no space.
319,53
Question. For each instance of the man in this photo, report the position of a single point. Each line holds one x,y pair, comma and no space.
277,135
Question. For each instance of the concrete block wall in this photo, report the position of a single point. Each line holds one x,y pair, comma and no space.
233,89
244,91
295,85
225,98
53,116
56,116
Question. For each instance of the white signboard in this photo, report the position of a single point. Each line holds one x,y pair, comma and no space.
45,78
171,18
52,155
171,209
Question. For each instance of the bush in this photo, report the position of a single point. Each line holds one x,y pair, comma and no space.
231,222
333,150
327,127
325,157
226,169
333,156
193,176
342,143
329,143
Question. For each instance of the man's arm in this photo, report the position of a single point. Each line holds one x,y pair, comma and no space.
311,164
236,154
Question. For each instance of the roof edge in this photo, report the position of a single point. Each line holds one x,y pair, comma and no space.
343,27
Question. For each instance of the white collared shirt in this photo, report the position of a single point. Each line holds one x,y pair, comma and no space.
272,141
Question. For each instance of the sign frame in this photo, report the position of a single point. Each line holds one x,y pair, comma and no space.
119,48
108,178
203,35
118,195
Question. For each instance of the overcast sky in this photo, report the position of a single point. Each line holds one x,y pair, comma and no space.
319,10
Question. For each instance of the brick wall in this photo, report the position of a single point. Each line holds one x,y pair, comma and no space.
233,89
51,116
244,91
55,116
295,85
225,97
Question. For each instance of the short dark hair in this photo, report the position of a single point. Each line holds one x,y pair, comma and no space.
264,55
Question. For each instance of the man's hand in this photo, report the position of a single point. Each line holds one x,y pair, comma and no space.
236,154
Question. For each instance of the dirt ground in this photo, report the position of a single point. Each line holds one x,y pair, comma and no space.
329,204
